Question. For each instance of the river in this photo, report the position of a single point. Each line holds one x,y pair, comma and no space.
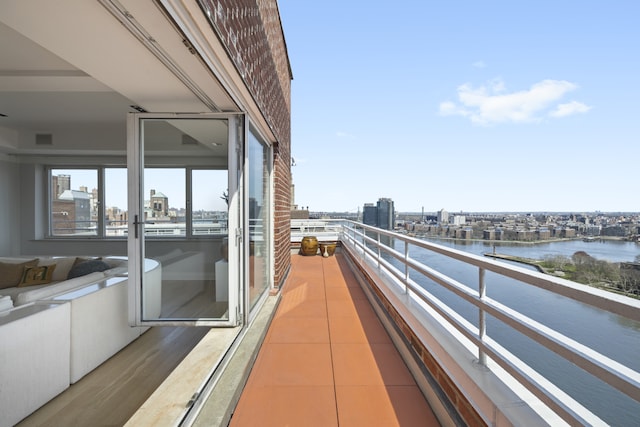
616,337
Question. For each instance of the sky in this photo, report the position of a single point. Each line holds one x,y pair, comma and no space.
474,106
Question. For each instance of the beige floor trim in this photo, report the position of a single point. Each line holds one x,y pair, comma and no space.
171,401
220,401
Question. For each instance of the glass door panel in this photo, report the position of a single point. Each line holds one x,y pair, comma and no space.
185,173
259,224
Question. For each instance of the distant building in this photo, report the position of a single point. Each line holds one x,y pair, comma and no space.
458,220
386,214
381,215
564,232
59,184
158,204
543,233
614,230
592,230
71,212
493,234
370,214
443,217
466,233
525,235
300,214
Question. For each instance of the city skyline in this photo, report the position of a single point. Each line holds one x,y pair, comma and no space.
516,107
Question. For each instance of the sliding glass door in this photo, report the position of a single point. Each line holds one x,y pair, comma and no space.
185,223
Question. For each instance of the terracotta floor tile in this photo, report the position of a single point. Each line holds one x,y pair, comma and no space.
301,307
344,293
327,360
305,291
356,330
293,365
403,406
369,364
335,283
298,330
286,406
349,308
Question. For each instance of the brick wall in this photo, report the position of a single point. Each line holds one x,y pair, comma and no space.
252,33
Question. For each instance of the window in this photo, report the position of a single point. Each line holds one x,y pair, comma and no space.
92,202
74,201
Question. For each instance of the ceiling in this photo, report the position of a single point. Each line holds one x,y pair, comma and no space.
58,72
39,89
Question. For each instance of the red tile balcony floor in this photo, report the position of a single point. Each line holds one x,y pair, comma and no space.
327,360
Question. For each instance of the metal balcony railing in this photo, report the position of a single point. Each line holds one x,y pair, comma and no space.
378,249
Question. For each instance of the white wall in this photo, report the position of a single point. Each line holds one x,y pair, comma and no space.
79,139
9,206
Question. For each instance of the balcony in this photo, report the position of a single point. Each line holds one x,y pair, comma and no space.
465,371
467,360
327,360
356,335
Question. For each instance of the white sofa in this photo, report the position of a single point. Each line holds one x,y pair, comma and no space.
34,355
24,294
95,328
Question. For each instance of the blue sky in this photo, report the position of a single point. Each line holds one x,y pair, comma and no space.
465,106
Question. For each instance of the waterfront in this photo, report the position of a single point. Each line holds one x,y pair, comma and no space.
615,337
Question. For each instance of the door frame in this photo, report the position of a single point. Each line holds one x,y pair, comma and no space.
236,137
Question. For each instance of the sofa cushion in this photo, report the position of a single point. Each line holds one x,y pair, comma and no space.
37,293
40,275
87,267
6,303
63,266
11,272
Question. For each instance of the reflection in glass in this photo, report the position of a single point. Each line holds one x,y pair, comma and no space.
184,218
258,219
210,202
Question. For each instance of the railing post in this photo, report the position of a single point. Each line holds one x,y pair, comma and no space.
379,253
406,267
482,323
362,244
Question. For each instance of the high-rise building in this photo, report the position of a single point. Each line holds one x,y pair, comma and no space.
381,215
370,214
443,217
386,214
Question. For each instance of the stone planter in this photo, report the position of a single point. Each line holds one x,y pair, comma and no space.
309,246
328,249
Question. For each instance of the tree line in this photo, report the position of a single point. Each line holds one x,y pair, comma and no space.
623,278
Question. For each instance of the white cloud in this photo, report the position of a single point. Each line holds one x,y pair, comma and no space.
341,134
569,109
491,103
479,64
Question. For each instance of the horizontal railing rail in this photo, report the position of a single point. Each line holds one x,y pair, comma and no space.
367,242
323,230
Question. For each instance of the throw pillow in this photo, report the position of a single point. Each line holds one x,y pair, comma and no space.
81,259
87,267
63,266
37,275
11,272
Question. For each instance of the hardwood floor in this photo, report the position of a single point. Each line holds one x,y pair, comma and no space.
109,395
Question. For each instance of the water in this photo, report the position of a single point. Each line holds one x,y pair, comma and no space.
614,336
